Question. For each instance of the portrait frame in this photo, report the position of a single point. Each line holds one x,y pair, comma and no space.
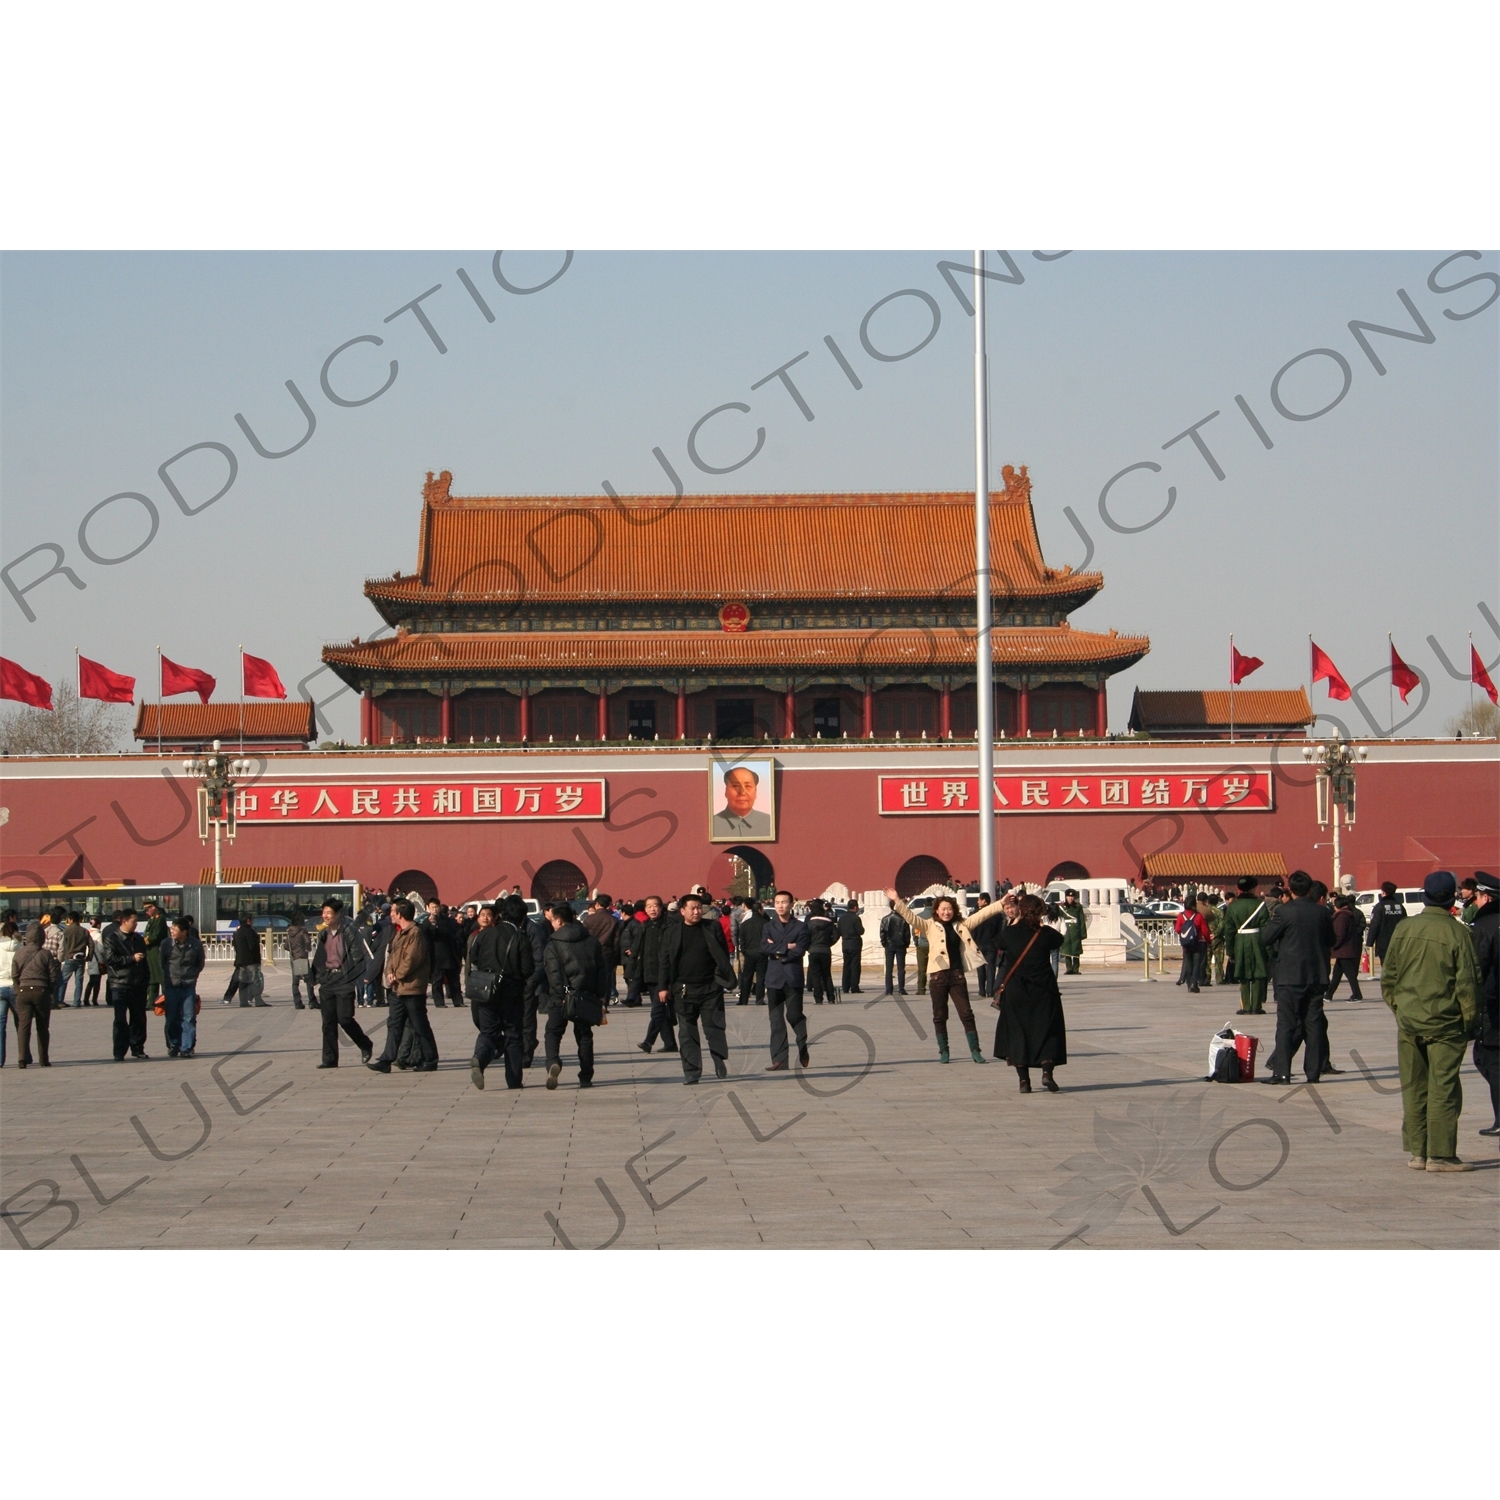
720,829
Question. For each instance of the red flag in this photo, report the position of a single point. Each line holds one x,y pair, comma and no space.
1323,668
23,686
175,679
261,680
1403,679
95,681
1240,667
1477,675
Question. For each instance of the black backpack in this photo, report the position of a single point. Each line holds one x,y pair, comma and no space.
1226,1066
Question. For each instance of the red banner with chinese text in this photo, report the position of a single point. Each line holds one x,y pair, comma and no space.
1094,791
511,799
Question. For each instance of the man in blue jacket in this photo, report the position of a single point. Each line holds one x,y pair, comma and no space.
784,942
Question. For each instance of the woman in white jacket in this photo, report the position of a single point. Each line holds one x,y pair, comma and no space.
9,943
952,954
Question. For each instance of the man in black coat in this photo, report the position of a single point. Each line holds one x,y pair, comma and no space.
501,961
340,960
632,929
447,953
895,938
539,932
851,945
752,961
650,964
1298,939
695,971
1485,930
578,983
122,954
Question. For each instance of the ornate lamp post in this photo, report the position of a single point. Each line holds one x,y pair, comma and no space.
217,774
1335,760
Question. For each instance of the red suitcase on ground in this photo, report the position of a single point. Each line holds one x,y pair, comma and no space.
1245,1047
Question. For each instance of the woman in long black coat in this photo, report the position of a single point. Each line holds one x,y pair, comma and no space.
1031,1032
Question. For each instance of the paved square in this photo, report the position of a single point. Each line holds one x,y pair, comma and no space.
878,1145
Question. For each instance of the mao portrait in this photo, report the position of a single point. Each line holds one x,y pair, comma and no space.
742,802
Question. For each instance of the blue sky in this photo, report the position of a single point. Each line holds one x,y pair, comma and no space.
1379,516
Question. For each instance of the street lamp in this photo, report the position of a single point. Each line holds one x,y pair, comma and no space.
1336,761
217,774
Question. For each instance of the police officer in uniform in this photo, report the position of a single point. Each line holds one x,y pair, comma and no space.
1389,910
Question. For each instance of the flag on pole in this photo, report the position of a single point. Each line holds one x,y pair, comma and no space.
22,686
1478,675
95,681
1240,667
175,679
1323,669
1403,679
261,680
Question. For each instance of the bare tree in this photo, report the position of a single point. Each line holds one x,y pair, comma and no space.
1478,721
73,726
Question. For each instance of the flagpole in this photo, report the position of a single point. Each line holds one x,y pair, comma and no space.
1390,687
78,707
159,685
1231,687
242,701
984,657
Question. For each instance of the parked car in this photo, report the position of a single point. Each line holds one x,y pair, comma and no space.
1411,900
1164,908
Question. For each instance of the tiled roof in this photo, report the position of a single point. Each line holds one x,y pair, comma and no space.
293,720
1214,866
510,549
274,875
701,650
1275,707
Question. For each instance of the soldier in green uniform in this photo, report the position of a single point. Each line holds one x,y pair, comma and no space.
1430,979
1239,922
1214,916
154,936
1075,929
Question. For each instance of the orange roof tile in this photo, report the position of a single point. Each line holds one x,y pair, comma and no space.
293,720
1276,707
702,650
1214,866
723,547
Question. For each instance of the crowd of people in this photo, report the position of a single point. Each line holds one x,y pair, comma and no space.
527,978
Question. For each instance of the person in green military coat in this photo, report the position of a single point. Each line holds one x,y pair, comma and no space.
155,934
1213,914
1075,928
1430,979
1239,923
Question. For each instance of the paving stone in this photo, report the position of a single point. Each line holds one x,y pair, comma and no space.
898,1152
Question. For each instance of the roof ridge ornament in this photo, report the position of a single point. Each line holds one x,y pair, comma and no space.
438,491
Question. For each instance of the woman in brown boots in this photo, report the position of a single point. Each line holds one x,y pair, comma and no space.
1031,1030
952,955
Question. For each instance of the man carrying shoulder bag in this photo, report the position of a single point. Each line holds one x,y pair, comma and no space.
500,964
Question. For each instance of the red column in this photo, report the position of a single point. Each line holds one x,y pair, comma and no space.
603,713
681,714
366,719
868,727
1023,699
525,716
1101,712
791,714
445,722
945,713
